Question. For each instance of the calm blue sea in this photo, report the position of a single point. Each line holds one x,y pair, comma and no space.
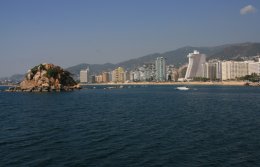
132,127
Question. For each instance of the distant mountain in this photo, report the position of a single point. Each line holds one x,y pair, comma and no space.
14,78
17,77
178,57
95,68
237,51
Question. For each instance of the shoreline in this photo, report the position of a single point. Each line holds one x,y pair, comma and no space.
224,83
8,85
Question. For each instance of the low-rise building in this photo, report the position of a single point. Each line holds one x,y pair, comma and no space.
105,77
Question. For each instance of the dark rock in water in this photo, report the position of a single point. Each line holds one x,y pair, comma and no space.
46,78
247,84
45,89
13,89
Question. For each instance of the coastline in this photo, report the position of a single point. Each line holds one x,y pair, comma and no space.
8,85
224,83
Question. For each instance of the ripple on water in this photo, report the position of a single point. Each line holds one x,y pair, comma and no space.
142,126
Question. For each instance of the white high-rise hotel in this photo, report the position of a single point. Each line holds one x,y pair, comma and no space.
195,65
84,76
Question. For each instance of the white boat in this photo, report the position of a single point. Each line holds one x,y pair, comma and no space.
110,87
182,88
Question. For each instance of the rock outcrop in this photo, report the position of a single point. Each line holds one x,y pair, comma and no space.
46,78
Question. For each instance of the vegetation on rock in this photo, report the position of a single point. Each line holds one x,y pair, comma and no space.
53,72
47,77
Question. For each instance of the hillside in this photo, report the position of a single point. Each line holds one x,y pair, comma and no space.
95,68
237,51
178,57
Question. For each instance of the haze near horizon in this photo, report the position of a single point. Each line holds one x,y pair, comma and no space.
67,33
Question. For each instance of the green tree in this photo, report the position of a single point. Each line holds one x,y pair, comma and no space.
53,72
252,78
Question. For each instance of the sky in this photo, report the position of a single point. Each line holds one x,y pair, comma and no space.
70,32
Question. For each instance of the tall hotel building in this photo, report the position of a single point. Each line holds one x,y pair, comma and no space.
118,75
195,65
160,68
254,67
233,69
212,70
84,75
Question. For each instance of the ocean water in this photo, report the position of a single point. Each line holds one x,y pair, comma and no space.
136,126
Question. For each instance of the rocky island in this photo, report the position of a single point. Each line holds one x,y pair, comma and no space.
46,78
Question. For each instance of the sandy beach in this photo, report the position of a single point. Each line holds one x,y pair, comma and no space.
224,83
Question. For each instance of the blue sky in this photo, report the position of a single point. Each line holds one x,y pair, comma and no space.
69,32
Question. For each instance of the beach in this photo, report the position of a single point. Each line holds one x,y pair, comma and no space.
223,83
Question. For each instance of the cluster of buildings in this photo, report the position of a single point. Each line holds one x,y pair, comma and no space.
219,70
229,70
158,71
5,82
